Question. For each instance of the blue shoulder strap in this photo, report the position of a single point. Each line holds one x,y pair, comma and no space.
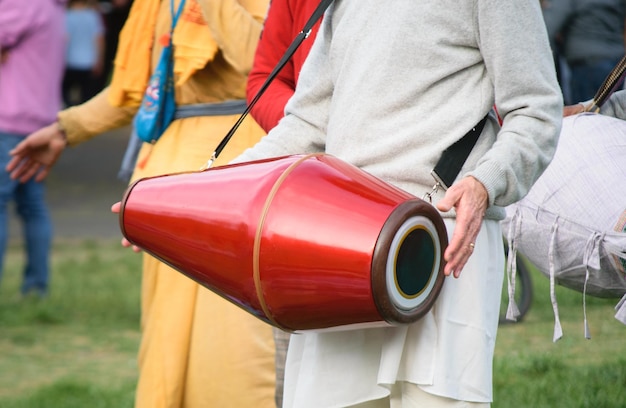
175,17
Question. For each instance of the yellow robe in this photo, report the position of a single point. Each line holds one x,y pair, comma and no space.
197,350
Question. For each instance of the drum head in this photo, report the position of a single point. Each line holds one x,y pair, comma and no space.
407,267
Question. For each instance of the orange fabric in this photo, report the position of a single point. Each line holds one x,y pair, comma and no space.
199,350
193,44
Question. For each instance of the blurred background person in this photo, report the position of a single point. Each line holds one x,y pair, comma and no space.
84,60
32,49
589,36
285,19
114,13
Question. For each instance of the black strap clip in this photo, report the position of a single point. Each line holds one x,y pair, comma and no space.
453,158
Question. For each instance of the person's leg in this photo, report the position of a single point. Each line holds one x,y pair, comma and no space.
7,190
90,86
408,395
599,71
379,403
281,342
587,78
83,85
394,400
32,208
67,86
413,396
580,83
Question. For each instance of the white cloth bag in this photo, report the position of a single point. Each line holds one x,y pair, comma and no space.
572,223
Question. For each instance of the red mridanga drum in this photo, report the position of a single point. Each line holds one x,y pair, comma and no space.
301,242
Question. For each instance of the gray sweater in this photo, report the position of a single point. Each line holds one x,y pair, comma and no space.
615,106
388,86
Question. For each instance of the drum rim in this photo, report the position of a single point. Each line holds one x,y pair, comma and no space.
413,224
385,305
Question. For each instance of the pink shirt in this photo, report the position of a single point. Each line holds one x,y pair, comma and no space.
32,40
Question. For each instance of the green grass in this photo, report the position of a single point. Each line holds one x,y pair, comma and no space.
532,371
77,348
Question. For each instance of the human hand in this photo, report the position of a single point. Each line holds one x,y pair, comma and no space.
36,154
570,110
470,198
125,243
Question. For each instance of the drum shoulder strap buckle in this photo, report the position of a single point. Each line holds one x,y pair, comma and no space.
439,184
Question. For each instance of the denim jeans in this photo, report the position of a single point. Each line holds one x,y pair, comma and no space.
31,207
586,78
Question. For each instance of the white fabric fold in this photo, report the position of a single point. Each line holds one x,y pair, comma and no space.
512,311
558,331
620,310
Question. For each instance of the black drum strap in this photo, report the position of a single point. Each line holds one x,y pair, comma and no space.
452,159
303,35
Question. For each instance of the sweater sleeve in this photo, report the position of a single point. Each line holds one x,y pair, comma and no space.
518,60
96,116
275,39
236,26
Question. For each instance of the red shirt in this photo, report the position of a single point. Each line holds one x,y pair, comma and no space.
285,19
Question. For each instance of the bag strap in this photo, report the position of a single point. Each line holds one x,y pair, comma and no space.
453,158
175,17
303,35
